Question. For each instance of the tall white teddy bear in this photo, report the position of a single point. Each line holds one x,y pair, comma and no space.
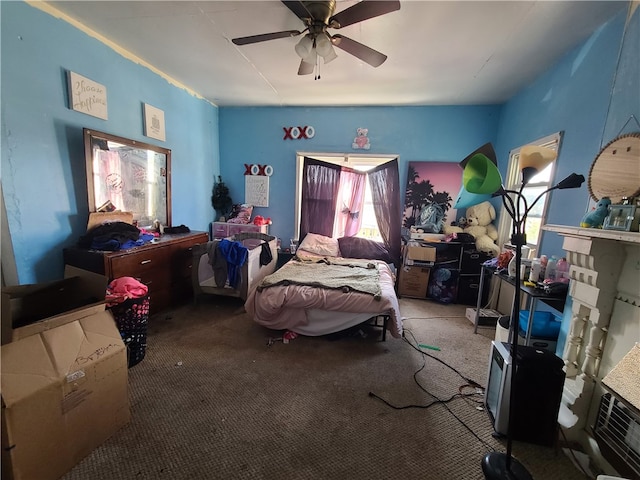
479,218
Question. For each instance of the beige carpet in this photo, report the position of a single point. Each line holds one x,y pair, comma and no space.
212,401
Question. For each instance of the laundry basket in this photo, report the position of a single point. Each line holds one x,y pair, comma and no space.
131,317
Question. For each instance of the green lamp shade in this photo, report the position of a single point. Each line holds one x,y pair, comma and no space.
481,175
466,199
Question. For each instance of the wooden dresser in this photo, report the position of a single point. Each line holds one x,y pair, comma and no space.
163,265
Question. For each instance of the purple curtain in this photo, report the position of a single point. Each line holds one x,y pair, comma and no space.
320,183
385,192
350,203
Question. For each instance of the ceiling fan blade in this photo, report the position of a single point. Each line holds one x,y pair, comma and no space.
305,68
362,11
265,37
298,9
364,53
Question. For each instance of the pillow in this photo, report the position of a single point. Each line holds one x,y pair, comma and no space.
241,213
320,245
355,247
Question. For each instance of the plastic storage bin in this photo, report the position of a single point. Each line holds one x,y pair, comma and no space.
131,317
545,325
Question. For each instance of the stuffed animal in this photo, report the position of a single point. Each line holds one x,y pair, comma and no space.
479,218
595,218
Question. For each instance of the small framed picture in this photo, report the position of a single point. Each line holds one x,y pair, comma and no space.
154,122
620,217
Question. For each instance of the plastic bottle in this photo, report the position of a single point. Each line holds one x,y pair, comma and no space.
562,270
550,272
543,267
534,273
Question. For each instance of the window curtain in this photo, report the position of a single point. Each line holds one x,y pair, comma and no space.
350,203
385,192
320,184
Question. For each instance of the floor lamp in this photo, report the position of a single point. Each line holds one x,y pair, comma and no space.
481,178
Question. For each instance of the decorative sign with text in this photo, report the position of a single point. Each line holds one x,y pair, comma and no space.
87,96
298,133
256,190
154,122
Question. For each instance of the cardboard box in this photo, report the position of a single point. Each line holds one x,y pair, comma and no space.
24,306
421,255
413,281
64,392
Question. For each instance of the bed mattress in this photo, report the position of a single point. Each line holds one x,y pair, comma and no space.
314,310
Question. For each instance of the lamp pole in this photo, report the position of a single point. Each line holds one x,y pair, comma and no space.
497,465
480,176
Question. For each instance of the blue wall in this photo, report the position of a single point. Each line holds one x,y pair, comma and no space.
43,166
575,97
255,135
43,175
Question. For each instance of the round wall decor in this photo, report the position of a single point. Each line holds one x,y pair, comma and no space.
615,172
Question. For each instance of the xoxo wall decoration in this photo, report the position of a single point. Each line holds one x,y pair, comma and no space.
255,169
298,133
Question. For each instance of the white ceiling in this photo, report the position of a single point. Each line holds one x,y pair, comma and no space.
439,52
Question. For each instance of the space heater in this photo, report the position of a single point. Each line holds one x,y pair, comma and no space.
538,383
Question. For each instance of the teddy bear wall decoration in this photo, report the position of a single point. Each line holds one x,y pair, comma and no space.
479,224
361,142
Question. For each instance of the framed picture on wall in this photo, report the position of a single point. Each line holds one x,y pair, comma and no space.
428,199
154,122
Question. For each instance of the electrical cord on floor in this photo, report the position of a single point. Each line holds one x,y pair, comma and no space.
418,349
470,383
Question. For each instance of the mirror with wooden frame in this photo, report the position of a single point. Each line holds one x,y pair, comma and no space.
615,172
133,176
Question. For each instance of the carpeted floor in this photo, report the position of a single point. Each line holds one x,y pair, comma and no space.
212,401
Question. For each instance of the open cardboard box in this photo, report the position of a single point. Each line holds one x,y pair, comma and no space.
422,255
24,306
64,377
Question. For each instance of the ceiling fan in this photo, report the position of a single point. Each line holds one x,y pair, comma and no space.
317,17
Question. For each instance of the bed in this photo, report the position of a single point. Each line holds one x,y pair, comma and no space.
323,290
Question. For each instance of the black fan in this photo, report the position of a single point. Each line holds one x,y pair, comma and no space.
318,16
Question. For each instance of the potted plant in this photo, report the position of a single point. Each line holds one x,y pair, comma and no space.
220,199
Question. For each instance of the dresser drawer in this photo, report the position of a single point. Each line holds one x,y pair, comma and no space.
136,264
183,263
220,229
155,278
224,230
235,228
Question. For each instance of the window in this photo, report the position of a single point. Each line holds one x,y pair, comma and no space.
369,225
536,186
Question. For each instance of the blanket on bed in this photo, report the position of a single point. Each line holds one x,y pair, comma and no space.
343,275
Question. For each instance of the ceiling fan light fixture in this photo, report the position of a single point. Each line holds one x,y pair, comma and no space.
311,56
323,45
304,46
331,56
